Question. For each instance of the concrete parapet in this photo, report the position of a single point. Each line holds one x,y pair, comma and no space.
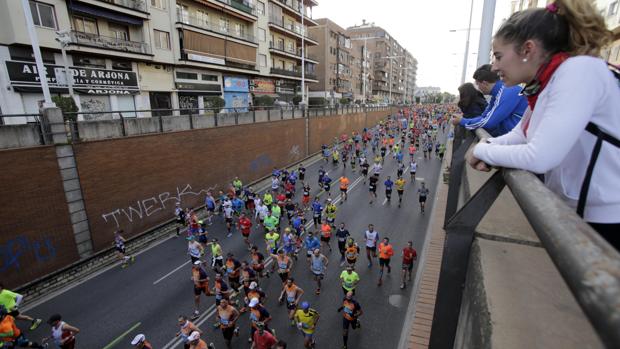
139,126
19,136
100,129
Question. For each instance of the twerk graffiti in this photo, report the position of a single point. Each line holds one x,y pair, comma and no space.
149,206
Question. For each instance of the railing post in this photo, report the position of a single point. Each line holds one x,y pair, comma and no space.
268,114
124,131
161,124
191,120
253,115
281,114
215,114
236,116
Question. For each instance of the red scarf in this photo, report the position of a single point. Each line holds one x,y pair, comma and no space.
543,76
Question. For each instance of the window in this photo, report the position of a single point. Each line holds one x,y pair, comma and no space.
290,66
182,13
240,30
260,8
187,76
91,62
118,31
162,39
290,46
207,77
23,53
85,25
202,18
118,65
262,35
224,25
262,60
43,14
160,4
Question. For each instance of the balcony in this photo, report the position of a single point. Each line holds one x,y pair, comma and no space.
239,5
138,5
184,18
292,6
109,43
279,48
296,73
290,28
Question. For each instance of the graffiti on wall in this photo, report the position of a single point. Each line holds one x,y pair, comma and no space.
151,205
12,251
294,153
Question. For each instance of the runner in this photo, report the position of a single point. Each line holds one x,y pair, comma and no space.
194,249
371,237
179,214
318,266
233,271
389,185
201,285
327,184
409,256
351,252
364,166
228,218
259,318
321,174
217,259
344,187
270,222
253,291
342,234
385,254
227,316
400,170
330,212
257,261
140,342
335,156
292,293
311,243
317,210
307,320
261,212
326,235
275,184
400,189
63,334
248,275
119,245
262,339
351,311
302,172
349,279
221,289
186,328
372,187
11,336
11,301
422,193
413,167
306,197
245,226
196,343
283,263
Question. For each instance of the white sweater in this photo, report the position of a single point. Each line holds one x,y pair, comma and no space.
581,90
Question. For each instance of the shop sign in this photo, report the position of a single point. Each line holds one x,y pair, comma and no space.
236,84
264,86
26,74
205,59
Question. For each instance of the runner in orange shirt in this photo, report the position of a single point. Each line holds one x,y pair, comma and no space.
385,254
344,187
326,234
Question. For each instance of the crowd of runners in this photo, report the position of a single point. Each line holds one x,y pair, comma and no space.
297,232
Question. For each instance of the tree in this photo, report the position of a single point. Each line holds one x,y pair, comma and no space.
215,102
316,101
264,101
296,99
68,107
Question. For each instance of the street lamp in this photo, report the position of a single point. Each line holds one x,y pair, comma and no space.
65,39
471,11
303,59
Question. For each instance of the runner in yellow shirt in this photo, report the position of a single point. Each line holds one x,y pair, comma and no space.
307,320
400,189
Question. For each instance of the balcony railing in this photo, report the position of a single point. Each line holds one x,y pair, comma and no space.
110,43
203,24
294,6
294,27
295,73
139,5
240,5
279,46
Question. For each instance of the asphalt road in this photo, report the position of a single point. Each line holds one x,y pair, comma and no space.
147,297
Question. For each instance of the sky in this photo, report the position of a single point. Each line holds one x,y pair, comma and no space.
423,28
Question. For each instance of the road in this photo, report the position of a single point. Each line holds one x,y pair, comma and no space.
148,296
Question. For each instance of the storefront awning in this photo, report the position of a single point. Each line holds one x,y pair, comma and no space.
101,12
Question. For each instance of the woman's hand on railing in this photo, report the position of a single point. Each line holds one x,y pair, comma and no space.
476,163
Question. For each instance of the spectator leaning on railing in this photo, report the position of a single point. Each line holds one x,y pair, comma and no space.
505,108
573,120
471,101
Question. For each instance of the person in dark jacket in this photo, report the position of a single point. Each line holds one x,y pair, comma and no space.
471,101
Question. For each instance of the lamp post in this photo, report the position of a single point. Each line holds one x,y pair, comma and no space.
469,28
64,39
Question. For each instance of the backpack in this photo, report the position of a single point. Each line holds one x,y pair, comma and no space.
600,137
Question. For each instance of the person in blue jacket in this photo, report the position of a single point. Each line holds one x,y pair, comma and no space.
505,108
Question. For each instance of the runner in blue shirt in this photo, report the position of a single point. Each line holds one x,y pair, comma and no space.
388,188
317,210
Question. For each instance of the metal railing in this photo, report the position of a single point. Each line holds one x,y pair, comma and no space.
292,27
240,5
588,264
202,23
279,46
110,43
139,5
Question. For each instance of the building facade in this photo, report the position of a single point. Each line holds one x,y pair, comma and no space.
128,55
394,69
334,52
609,9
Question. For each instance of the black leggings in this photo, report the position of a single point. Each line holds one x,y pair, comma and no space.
609,232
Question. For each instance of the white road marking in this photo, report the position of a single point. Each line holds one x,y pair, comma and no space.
170,273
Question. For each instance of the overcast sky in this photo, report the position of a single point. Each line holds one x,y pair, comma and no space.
423,28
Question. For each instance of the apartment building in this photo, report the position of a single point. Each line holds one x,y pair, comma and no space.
128,55
335,54
609,9
394,69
